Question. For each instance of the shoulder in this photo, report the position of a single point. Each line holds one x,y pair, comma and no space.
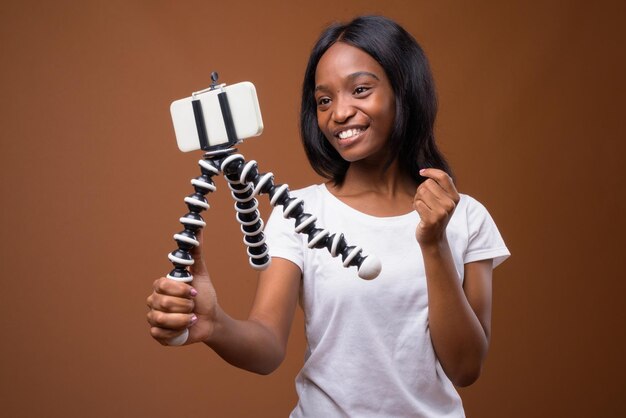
314,196
468,201
484,240
312,190
469,214
470,207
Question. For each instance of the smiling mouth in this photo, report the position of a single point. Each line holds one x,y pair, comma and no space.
349,133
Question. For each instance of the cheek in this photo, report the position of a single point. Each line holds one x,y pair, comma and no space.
389,115
384,121
321,124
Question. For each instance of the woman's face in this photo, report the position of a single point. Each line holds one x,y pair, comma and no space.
355,103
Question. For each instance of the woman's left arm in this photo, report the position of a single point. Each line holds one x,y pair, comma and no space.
459,315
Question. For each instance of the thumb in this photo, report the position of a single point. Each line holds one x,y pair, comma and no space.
199,266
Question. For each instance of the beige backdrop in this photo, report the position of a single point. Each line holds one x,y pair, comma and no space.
531,118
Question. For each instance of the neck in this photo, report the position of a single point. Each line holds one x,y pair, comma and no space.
364,177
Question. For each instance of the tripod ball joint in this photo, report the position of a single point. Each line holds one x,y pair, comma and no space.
370,267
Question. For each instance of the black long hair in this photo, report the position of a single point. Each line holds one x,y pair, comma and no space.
412,140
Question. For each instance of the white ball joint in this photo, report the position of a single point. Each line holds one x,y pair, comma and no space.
370,268
179,340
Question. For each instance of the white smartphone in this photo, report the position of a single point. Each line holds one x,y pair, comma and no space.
200,125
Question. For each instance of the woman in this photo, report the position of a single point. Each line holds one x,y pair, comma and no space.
397,345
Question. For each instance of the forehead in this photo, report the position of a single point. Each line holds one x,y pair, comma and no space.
341,60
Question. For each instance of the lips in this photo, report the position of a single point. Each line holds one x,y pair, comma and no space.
348,135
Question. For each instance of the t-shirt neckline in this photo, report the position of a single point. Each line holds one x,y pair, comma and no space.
356,213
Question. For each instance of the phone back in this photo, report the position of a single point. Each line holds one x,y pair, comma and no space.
245,111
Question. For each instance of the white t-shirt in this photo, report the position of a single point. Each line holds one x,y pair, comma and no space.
369,352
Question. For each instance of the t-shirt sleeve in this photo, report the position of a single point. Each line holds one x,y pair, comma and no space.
485,241
282,240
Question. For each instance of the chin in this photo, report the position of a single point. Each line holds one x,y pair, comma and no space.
356,155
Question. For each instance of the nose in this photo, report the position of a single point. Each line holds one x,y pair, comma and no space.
343,110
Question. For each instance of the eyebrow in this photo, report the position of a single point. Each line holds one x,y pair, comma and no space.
350,77
360,73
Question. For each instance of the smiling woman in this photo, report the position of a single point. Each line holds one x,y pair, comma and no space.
395,346
402,62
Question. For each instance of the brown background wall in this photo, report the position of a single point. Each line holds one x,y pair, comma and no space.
92,183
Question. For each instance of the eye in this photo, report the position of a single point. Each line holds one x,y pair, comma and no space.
323,101
360,90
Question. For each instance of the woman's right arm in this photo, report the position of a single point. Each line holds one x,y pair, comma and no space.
257,344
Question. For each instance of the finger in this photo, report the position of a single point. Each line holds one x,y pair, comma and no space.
443,179
432,207
429,192
421,207
422,210
430,198
425,215
430,212
165,286
171,321
426,205
170,304
438,175
437,197
435,189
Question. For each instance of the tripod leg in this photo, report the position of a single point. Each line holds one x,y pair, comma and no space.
192,222
247,174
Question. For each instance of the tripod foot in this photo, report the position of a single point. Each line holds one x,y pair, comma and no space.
180,339
370,268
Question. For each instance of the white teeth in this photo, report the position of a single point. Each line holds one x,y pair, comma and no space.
348,133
